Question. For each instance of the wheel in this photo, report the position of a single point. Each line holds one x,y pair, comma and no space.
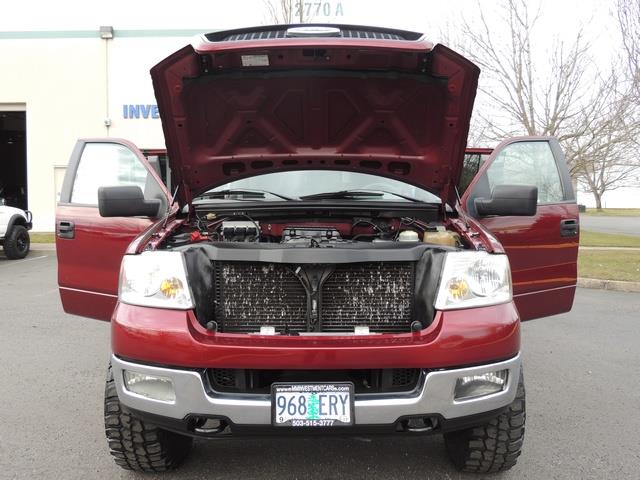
17,242
493,447
138,445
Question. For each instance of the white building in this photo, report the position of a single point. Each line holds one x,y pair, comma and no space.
58,86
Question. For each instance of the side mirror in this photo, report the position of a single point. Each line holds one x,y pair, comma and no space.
521,200
126,202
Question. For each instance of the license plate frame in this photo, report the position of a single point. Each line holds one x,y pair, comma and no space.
322,388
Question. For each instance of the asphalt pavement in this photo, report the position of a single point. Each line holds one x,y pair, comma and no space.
618,225
581,369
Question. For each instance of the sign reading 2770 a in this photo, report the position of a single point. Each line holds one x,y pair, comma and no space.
311,10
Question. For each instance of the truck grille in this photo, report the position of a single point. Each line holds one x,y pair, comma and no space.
249,295
378,295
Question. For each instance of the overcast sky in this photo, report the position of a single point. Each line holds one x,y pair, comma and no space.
559,16
560,19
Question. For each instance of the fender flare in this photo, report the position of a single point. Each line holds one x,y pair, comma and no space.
18,219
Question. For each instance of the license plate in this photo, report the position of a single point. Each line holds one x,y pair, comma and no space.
312,404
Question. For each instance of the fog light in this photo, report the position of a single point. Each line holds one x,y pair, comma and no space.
150,386
473,386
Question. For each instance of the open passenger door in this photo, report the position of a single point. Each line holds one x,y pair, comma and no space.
90,247
543,248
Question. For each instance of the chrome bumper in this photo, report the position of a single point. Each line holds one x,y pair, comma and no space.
433,396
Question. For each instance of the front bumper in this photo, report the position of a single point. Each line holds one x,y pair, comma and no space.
433,397
456,337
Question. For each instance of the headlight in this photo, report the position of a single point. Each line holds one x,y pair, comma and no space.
155,279
474,279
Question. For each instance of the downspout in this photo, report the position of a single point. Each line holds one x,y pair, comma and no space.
106,34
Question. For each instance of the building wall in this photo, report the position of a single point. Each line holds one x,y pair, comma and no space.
130,60
63,101
69,87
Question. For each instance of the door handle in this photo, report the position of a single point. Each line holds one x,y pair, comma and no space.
66,229
569,227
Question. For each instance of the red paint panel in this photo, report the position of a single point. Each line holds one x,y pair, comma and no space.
478,151
90,262
88,304
543,262
455,338
221,127
540,257
546,302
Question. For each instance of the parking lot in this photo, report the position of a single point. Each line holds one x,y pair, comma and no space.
615,225
582,395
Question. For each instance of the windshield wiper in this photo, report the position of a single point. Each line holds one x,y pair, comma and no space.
388,192
342,194
247,193
354,194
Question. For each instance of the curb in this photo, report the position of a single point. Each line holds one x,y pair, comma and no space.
617,285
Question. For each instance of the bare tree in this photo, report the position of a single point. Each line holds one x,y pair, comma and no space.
562,95
628,13
605,140
284,11
524,101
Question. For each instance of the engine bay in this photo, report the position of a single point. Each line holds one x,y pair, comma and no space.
313,270
318,231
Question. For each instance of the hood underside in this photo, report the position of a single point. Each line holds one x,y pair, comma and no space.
238,104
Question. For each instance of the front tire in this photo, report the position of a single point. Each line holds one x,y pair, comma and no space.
136,444
17,243
493,447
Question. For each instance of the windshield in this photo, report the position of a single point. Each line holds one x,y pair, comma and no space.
303,183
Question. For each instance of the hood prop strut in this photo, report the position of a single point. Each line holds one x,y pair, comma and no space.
171,202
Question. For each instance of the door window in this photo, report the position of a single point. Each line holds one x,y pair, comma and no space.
528,163
470,166
106,165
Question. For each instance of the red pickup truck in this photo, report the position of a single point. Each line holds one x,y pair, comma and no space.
329,260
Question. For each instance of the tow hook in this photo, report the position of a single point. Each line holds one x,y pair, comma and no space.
419,424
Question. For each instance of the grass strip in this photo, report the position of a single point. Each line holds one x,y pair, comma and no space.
609,265
613,212
597,239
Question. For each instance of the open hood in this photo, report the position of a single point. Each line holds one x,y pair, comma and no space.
240,103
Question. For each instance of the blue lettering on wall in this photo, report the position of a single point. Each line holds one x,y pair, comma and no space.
146,111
